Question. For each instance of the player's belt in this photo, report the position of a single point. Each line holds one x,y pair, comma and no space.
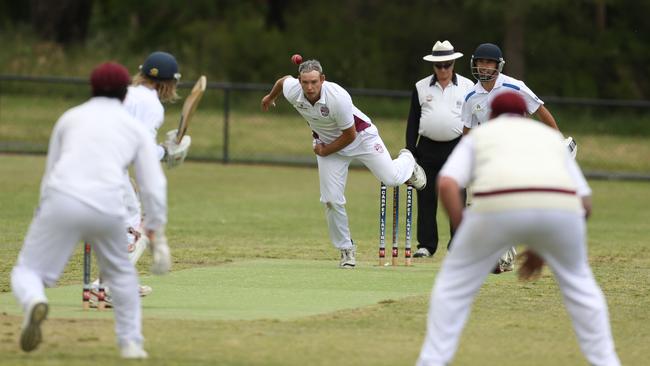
524,190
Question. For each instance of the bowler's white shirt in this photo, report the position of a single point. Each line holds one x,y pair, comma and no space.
331,114
90,149
476,109
143,104
441,108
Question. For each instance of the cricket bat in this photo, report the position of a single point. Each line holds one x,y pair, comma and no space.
189,106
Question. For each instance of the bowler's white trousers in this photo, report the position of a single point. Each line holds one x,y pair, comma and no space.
559,237
59,224
333,175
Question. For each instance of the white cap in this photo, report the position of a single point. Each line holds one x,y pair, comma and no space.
442,51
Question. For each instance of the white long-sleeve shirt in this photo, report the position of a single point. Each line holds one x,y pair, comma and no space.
143,104
90,149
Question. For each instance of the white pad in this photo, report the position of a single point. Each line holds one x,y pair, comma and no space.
572,146
176,153
162,260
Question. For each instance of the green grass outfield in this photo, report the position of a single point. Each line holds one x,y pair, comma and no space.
255,281
614,141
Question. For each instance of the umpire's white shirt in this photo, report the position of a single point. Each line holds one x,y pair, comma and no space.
476,109
91,147
331,114
441,108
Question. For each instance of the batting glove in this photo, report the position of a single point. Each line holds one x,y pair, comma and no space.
175,154
572,145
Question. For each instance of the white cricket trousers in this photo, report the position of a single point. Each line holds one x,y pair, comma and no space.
333,175
59,224
559,237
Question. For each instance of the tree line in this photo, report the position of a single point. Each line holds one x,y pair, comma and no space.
570,48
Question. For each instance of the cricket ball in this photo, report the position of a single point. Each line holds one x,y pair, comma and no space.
296,59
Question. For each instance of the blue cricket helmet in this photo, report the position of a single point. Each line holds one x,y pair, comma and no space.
487,51
160,66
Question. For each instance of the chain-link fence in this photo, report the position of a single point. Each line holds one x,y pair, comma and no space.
229,126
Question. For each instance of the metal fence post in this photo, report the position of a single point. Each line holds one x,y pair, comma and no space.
226,115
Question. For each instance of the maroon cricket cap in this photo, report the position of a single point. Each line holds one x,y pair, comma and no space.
109,76
508,102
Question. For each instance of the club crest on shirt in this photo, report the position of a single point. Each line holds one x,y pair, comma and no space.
324,111
379,148
429,98
459,104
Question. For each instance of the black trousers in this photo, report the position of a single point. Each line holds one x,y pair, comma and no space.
432,155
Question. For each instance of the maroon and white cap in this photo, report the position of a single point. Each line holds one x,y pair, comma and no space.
109,77
508,102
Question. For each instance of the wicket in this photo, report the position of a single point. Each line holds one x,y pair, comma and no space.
87,287
382,225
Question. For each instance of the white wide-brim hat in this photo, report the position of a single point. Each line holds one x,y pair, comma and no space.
442,51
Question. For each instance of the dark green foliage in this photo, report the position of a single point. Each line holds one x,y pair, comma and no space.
594,48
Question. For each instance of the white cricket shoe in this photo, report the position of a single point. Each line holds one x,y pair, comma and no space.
347,258
31,336
145,290
507,261
422,253
418,178
132,350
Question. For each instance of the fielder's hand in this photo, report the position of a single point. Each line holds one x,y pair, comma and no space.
531,268
162,260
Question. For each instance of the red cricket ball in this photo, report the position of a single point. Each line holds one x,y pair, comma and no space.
296,59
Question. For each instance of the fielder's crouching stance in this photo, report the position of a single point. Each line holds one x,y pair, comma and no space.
342,133
82,190
528,189
154,84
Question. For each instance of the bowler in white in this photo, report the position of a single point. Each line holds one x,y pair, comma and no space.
341,133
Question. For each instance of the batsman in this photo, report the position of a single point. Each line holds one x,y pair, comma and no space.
154,84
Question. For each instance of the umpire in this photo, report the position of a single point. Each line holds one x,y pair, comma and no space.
433,129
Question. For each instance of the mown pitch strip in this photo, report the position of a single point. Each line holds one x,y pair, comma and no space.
257,289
